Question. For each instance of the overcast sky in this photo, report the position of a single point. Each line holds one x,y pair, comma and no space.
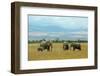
62,27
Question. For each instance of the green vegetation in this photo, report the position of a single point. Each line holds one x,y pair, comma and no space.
59,41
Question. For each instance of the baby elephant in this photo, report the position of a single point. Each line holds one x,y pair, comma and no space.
40,49
65,46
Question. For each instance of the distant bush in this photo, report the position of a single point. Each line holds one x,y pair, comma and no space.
59,41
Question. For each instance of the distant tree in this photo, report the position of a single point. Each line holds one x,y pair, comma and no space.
57,40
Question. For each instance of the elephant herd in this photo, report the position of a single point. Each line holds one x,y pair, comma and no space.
73,46
48,45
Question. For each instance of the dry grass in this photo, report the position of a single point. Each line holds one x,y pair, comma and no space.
56,53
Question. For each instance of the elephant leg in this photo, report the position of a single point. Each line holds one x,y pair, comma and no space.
47,48
67,47
73,48
80,49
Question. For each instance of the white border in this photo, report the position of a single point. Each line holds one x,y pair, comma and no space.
25,64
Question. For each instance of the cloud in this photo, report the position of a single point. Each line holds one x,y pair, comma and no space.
55,34
37,34
79,33
60,35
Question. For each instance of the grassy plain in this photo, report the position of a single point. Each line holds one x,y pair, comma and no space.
56,53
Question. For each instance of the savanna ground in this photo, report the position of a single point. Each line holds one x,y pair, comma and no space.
56,53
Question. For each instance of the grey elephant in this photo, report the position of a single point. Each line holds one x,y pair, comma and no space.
65,46
76,46
46,45
40,49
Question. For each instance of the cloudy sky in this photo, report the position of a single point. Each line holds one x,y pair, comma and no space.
62,27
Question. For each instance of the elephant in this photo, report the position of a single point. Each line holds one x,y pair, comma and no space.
40,49
46,45
76,46
65,46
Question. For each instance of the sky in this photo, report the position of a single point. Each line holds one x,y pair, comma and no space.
62,27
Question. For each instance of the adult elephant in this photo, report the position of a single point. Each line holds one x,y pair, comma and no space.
75,46
65,46
46,45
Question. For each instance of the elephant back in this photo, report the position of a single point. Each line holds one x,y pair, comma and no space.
43,43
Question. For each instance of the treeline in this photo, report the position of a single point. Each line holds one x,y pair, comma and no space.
59,41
